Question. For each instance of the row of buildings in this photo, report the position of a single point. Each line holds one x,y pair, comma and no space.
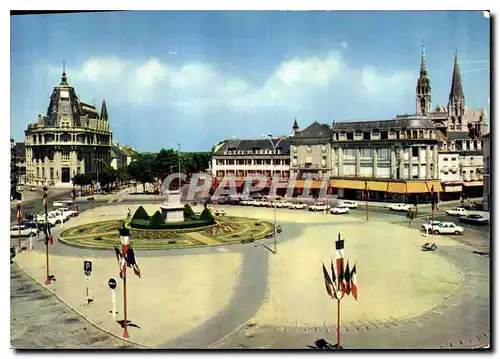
72,138
404,157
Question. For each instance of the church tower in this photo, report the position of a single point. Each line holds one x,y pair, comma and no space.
456,101
423,89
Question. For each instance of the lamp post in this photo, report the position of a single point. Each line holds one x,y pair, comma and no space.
274,146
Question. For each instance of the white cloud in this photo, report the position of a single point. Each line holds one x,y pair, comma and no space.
302,82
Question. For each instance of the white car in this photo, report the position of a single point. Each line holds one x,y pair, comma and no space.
448,228
70,212
65,215
456,211
400,207
283,204
65,203
40,218
298,206
339,210
24,230
348,204
56,218
429,226
319,207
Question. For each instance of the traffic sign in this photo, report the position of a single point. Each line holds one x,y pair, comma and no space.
87,267
112,283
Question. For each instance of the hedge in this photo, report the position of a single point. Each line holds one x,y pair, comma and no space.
140,214
156,221
142,224
207,215
188,211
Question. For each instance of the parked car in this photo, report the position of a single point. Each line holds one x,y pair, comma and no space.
339,210
40,218
348,204
474,219
456,211
70,212
430,225
65,215
319,207
283,204
400,207
23,230
65,203
448,228
298,206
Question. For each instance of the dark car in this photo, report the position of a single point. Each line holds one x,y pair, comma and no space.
476,219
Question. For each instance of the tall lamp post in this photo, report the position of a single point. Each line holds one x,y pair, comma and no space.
274,146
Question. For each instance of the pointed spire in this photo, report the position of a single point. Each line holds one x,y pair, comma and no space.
456,91
423,67
63,77
104,111
295,124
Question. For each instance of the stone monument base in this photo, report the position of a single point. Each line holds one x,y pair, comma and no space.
172,209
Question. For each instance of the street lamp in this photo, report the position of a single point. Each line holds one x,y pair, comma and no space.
274,146
97,167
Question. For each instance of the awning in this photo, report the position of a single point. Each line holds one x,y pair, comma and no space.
436,184
377,186
314,184
453,188
417,187
473,184
396,187
351,184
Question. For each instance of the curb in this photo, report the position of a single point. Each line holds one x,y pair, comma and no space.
78,313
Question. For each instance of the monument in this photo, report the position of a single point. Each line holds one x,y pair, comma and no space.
172,209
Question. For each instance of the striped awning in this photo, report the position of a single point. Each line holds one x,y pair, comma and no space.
473,184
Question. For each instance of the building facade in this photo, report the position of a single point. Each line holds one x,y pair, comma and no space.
487,174
121,156
240,158
72,138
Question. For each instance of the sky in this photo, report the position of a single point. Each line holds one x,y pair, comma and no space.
200,77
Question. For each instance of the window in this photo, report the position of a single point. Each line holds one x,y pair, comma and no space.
421,134
43,172
309,149
384,135
51,173
38,172
366,135
258,162
383,153
366,152
350,135
445,159
295,160
323,161
414,151
349,152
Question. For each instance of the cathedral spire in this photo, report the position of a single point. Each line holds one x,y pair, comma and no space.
423,66
104,111
456,92
64,81
423,92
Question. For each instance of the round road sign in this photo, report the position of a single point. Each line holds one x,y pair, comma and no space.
112,283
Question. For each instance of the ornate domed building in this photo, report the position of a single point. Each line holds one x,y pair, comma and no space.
72,138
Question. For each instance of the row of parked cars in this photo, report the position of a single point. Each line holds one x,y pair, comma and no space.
33,224
341,208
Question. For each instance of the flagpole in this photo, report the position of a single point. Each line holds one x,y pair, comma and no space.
338,323
125,332
47,279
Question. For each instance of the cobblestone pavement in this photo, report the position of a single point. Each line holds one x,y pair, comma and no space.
41,321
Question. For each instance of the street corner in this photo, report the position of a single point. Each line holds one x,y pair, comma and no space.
399,272
173,296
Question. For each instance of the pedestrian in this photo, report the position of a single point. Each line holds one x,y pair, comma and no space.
128,213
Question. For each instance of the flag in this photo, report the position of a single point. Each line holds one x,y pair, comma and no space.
131,262
118,254
334,278
44,203
339,256
354,286
19,213
123,267
328,283
347,286
124,239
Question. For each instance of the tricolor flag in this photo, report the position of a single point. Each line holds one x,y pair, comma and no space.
19,213
354,286
339,257
347,279
330,287
131,262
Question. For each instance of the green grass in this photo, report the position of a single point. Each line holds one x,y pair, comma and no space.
228,230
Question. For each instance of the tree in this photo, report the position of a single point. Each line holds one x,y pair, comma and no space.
79,180
122,175
140,170
107,176
164,162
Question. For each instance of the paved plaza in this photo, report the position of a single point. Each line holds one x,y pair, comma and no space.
242,296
